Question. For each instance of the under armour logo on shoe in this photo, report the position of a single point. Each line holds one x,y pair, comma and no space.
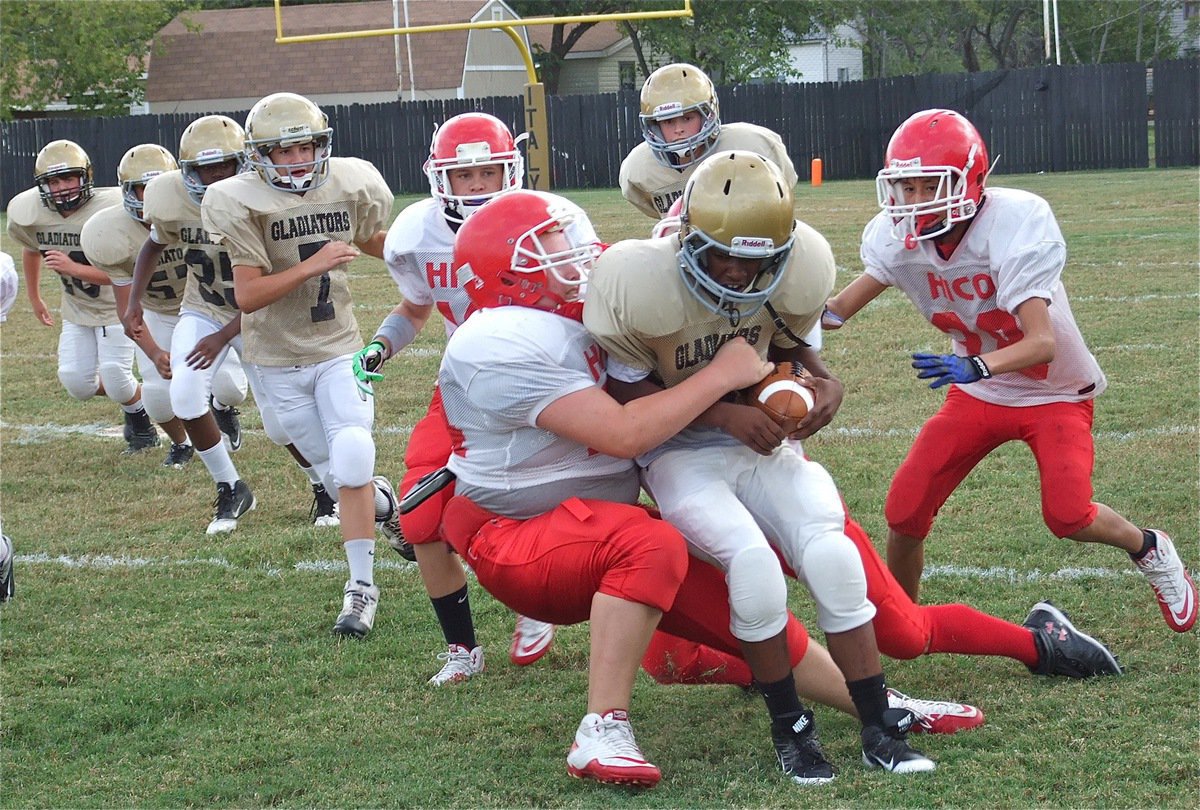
1056,630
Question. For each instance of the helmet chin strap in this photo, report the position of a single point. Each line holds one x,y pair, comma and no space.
783,327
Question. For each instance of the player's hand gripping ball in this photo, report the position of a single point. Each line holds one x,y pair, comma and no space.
785,395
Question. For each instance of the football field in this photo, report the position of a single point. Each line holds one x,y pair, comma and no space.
145,664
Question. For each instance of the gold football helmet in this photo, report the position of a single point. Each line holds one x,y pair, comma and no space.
59,159
286,119
137,167
209,141
669,92
738,204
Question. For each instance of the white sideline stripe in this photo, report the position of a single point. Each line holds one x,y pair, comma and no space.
108,561
1132,347
1106,435
103,561
33,434
36,434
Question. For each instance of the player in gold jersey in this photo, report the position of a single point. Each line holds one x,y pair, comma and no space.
94,355
742,266
681,123
111,240
292,228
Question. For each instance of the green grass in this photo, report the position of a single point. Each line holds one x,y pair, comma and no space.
147,665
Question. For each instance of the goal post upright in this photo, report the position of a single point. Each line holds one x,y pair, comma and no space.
536,117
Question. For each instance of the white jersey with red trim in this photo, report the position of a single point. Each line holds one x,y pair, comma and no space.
419,252
501,369
652,187
1012,251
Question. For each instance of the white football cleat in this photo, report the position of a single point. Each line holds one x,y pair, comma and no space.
531,640
605,750
359,601
459,665
1173,586
936,716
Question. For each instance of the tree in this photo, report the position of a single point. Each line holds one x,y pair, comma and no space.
564,37
90,54
901,37
734,41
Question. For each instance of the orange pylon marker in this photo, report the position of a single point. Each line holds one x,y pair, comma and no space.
816,171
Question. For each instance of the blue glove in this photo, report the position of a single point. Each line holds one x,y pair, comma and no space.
365,366
950,368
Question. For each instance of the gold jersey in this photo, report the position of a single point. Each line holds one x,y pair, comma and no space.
642,314
112,240
272,229
175,218
652,187
36,227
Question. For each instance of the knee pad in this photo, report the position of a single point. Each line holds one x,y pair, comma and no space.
188,391
229,383
156,398
78,384
277,434
119,383
834,574
757,594
352,457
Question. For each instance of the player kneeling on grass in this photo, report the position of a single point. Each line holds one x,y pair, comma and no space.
545,505
985,267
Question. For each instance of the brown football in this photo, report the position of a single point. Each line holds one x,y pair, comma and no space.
784,395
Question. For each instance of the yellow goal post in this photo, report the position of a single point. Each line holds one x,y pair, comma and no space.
536,119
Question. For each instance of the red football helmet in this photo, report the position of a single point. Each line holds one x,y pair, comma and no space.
515,245
472,139
938,144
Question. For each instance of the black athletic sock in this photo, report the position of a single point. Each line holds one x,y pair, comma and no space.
454,615
870,698
1149,543
783,704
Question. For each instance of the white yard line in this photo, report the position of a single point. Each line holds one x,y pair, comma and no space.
107,561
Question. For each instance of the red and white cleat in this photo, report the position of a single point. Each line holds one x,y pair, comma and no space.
604,750
531,640
936,716
1172,584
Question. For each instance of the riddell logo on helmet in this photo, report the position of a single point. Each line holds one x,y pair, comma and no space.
668,110
908,163
751,243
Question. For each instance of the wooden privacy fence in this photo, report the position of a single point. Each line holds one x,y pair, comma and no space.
1050,119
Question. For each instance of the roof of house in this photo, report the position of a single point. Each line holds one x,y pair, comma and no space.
597,39
233,52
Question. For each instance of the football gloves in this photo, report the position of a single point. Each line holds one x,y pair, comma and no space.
944,369
366,365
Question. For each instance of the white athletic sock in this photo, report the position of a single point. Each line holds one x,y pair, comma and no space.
313,477
219,464
361,556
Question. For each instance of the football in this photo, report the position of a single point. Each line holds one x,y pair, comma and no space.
784,395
